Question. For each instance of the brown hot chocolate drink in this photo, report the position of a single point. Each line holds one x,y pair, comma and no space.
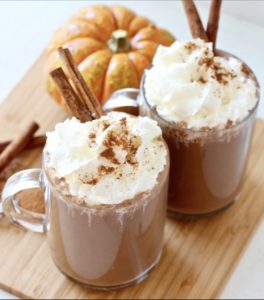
107,212
109,246
206,107
207,171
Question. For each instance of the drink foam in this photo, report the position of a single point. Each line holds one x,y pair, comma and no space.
189,84
108,160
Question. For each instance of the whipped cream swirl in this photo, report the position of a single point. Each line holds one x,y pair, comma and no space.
109,160
187,83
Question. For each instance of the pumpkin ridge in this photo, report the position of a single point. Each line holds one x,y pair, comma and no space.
150,22
53,47
115,21
137,18
85,37
54,44
104,46
117,5
130,23
85,21
120,74
137,50
141,47
116,26
90,22
100,96
135,69
101,38
101,27
153,35
104,80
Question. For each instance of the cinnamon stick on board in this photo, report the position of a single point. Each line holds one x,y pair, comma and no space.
194,20
36,141
213,21
85,94
17,145
78,109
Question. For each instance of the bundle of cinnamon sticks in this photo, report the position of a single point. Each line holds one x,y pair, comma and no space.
79,98
195,22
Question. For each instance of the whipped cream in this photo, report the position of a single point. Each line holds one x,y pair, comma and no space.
109,160
187,83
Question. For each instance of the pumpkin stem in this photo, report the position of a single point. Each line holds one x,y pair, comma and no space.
119,41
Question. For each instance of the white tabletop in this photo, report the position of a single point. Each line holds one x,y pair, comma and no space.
26,27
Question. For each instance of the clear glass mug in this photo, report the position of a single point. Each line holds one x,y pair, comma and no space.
105,247
207,167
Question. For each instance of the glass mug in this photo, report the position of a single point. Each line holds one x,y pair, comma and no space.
206,167
107,247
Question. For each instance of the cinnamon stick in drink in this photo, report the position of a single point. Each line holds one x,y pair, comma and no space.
194,20
85,94
213,21
76,106
36,141
17,145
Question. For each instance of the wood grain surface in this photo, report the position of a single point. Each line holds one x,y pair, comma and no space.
198,256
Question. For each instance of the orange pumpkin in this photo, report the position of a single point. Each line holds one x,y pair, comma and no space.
111,45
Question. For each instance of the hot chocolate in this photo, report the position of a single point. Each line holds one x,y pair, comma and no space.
206,107
108,188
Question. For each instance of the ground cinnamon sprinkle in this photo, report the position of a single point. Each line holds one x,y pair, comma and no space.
105,125
102,170
219,73
92,135
130,158
110,155
202,80
207,61
245,70
229,124
92,181
190,47
123,121
123,139
120,138
112,140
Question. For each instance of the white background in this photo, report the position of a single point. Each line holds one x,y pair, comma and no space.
27,26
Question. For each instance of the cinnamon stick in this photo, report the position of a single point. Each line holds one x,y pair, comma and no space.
194,20
17,145
36,141
78,109
213,21
85,94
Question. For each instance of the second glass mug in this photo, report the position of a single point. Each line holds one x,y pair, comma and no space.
107,247
207,167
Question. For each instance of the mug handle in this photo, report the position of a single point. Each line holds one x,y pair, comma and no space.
124,100
23,180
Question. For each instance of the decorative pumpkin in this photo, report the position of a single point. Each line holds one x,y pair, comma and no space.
111,45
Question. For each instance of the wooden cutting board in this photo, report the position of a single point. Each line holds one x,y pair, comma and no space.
198,256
